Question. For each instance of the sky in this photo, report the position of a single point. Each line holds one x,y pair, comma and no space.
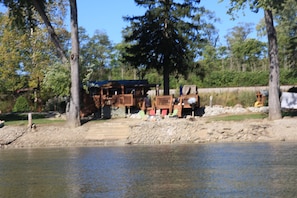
107,16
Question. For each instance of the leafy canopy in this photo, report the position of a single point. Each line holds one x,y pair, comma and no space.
22,12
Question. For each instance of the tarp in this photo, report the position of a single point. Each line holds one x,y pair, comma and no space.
119,82
189,89
289,100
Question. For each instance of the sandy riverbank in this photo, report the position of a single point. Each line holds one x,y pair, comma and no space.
164,131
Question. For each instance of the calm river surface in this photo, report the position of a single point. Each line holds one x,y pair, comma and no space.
204,170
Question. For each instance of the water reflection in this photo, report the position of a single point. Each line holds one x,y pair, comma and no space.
207,170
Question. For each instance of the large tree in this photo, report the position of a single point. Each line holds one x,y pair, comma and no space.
274,86
73,117
22,12
164,37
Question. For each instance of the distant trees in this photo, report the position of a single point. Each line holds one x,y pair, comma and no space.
286,20
245,53
96,54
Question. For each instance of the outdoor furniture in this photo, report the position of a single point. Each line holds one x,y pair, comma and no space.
164,102
2,123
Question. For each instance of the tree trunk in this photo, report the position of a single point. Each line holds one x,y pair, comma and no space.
166,79
274,87
73,117
50,30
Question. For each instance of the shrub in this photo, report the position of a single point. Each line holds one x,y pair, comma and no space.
21,105
6,102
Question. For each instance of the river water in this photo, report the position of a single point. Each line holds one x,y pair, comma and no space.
203,170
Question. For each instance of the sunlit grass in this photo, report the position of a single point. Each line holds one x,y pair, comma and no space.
22,119
35,121
239,117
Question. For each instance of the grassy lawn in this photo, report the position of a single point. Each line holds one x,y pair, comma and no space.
35,121
239,117
22,118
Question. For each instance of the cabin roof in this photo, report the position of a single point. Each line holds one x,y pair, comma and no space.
118,83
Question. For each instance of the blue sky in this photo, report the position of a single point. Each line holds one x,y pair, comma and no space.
106,16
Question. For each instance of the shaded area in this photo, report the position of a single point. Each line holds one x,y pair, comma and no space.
23,116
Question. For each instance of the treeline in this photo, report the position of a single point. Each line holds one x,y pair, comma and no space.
225,78
29,61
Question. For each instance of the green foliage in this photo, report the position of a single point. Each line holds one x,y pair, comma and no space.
57,80
6,106
56,104
153,77
288,77
236,79
21,13
226,78
240,117
286,21
96,55
21,105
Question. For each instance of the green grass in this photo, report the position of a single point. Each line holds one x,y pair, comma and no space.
22,119
35,121
240,117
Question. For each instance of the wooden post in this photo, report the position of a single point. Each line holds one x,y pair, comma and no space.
157,90
29,120
210,101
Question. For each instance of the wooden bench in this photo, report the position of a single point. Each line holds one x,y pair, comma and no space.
164,102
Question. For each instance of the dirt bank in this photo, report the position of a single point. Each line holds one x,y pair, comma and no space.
164,131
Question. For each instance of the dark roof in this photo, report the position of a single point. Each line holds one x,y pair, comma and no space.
126,83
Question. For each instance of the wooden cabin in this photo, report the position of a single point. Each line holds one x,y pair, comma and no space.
115,93
102,95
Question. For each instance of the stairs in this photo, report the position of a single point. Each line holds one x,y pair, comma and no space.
109,131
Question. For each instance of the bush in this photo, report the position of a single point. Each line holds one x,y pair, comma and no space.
21,105
57,104
6,102
6,106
